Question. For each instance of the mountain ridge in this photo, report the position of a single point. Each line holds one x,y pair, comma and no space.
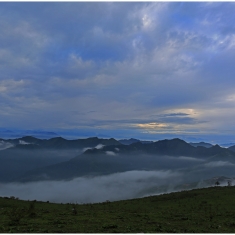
60,142
120,158
173,147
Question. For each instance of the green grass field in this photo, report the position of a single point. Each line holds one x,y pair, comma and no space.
209,210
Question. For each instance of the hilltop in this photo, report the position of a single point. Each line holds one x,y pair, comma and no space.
207,210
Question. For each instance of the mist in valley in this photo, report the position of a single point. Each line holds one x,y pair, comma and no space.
118,186
132,176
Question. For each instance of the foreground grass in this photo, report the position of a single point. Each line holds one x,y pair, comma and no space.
200,211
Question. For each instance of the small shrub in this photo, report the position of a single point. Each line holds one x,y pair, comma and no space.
31,211
74,210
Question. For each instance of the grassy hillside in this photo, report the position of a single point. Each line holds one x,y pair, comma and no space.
200,211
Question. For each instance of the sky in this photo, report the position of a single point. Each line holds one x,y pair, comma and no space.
146,70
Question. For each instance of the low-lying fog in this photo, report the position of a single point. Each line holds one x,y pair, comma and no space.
118,186
138,175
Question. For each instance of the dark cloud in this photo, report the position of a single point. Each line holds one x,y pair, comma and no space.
69,58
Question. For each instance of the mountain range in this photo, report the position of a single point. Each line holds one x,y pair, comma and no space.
32,159
174,147
59,142
132,140
20,155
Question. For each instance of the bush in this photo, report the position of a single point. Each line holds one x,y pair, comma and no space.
31,211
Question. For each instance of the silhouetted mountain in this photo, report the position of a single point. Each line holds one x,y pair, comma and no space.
128,141
20,155
174,147
136,156
232,148
31,140
25,140
131,141
61,143
202,144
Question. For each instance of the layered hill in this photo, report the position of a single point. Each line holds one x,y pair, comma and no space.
17,156
164,154
61,143
132,140
174,147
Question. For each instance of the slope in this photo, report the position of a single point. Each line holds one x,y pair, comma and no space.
208,210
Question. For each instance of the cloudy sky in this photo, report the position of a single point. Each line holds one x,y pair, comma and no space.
143,70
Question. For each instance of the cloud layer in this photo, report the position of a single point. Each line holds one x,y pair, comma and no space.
113,187
127,69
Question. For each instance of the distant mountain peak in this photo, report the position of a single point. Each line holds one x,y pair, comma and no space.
28,138
93,138
128,141
216,146
201,144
